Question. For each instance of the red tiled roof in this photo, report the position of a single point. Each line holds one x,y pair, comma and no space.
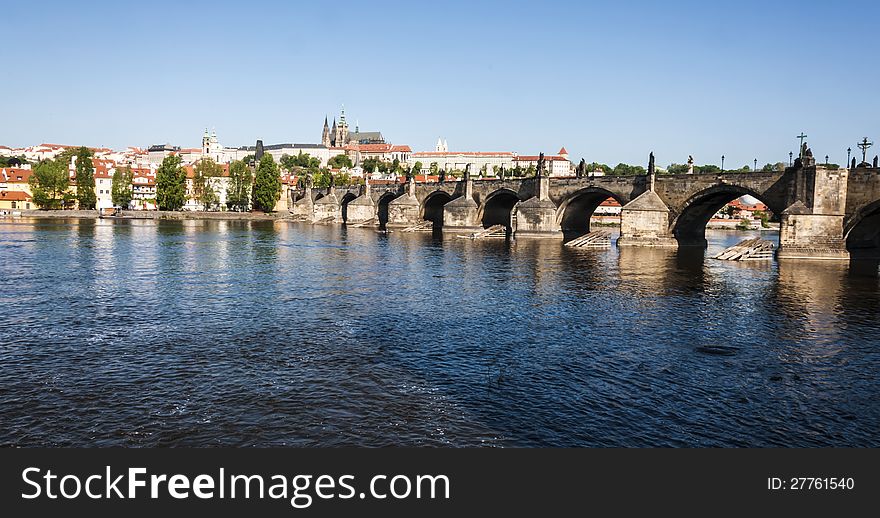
372,148
428,154
15,175
562,151
534,158
14,196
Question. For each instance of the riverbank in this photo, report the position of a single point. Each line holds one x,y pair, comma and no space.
155,215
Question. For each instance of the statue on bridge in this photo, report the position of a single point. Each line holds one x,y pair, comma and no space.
467,172
651,163
539,170
442,176
808,156
875,161
690,164
581,170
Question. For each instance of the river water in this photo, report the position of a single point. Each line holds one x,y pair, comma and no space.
195,333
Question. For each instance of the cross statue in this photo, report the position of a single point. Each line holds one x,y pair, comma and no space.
802,136
864,145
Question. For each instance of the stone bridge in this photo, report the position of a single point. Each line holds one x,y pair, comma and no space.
824,213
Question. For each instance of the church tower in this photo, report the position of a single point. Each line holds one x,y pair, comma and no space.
325,135
334,133
342,136
206,143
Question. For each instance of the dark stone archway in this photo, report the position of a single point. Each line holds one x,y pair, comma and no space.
574,212
689,225
863,232
498,208
433,207
344,203
382,207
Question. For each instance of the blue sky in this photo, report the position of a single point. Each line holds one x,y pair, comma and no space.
610,81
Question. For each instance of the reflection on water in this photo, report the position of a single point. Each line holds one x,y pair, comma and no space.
272,333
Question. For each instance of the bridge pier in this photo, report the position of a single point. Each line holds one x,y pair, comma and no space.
304,208
404,210
461,214
328,209
361,209
536,217
812,227
645,222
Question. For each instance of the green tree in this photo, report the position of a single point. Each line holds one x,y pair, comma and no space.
340,162
121,191
171,184
299,162
67,155
708,168
204,173
435,169
416,169
764,217
267,184
595,166
370,165
85,179
13,161
628,170
238,196
395,167
49,184
677,168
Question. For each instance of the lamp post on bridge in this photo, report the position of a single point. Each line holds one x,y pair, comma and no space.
722,163
756,164
848,152
790,154
826,159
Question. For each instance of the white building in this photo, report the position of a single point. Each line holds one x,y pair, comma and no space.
382,152
556,165
457,161
143,189
159,152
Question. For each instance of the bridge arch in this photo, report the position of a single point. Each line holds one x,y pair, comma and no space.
689,222
862,230
348,198
575,211
497,208
432,207
382,207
